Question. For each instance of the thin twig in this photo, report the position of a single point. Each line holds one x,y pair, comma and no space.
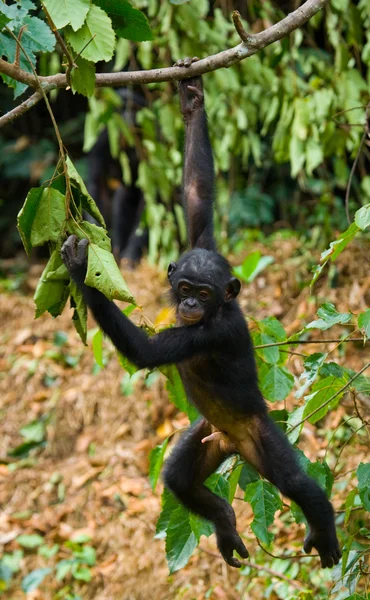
286,556
247,38
21,108
17,48
252,565
298,342
349,184
60,40
331,398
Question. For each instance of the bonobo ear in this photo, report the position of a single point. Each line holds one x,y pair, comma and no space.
232,289
171,269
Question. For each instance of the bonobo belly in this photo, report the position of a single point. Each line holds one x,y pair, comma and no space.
196,375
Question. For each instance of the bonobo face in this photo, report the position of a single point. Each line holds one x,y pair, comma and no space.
200,283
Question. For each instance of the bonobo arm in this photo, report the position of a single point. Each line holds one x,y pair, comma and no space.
198,163
168,347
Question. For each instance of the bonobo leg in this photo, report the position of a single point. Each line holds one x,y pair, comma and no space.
190,463
275,459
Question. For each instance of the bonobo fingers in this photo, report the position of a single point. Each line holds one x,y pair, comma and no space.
73,253
186,62
326,544
229,541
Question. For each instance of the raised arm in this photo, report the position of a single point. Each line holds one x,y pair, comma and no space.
168,347
198,163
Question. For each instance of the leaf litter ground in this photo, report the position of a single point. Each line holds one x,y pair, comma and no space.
91,476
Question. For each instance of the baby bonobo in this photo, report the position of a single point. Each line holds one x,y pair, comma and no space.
213,351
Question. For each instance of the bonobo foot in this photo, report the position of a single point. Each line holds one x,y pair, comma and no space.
74,255
229,540
190,90
326,544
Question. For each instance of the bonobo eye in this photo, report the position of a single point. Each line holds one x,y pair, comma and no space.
184,290
171,269
204,295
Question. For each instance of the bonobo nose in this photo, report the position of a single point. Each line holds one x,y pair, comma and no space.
190,303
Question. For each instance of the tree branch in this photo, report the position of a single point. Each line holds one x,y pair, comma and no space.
19,110
226,58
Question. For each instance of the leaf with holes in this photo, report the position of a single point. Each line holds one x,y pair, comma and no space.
104,275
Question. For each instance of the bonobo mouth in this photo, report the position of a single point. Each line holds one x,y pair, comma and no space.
190,317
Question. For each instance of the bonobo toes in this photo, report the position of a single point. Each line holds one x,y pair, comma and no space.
326,544
228,540
73,253
186,62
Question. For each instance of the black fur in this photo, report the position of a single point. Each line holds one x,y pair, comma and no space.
214,354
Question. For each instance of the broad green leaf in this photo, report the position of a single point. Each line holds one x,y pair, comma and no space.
269,355
280,417
30,541
275,382
79,317
82,573
265,501
362,217
219,485
4,20
329,317
127,365
180,540
49,217
312,365
97,33
363,476
234,480
83,77
364,322
294,418
33,431
51,295
32,581
169,505
88,203
252,266
104,275
127,21
97,345
26,216
95,234
200,526
68,12
177,394
322,391
314,155
248,475
155,463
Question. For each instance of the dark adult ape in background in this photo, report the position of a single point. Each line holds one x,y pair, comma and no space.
123,208
213,351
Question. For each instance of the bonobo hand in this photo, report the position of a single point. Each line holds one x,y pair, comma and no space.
228,540
74,257
190,90
326,544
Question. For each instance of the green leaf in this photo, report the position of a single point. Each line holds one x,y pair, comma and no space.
127,21
177,394
314,155
329,317
49,217
33,431
34,579
4,20
200,526
270,331
51,296
68,12
83,77
104,275
30,541
252,266
322,391
275,382
26,216
362,217
363,476
82,573
312,365
218,484
335,248
265,501
364,322
169,505
97,345
79,317
248,475
97,33
88,203
127,365
95,234
155,463
180,541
